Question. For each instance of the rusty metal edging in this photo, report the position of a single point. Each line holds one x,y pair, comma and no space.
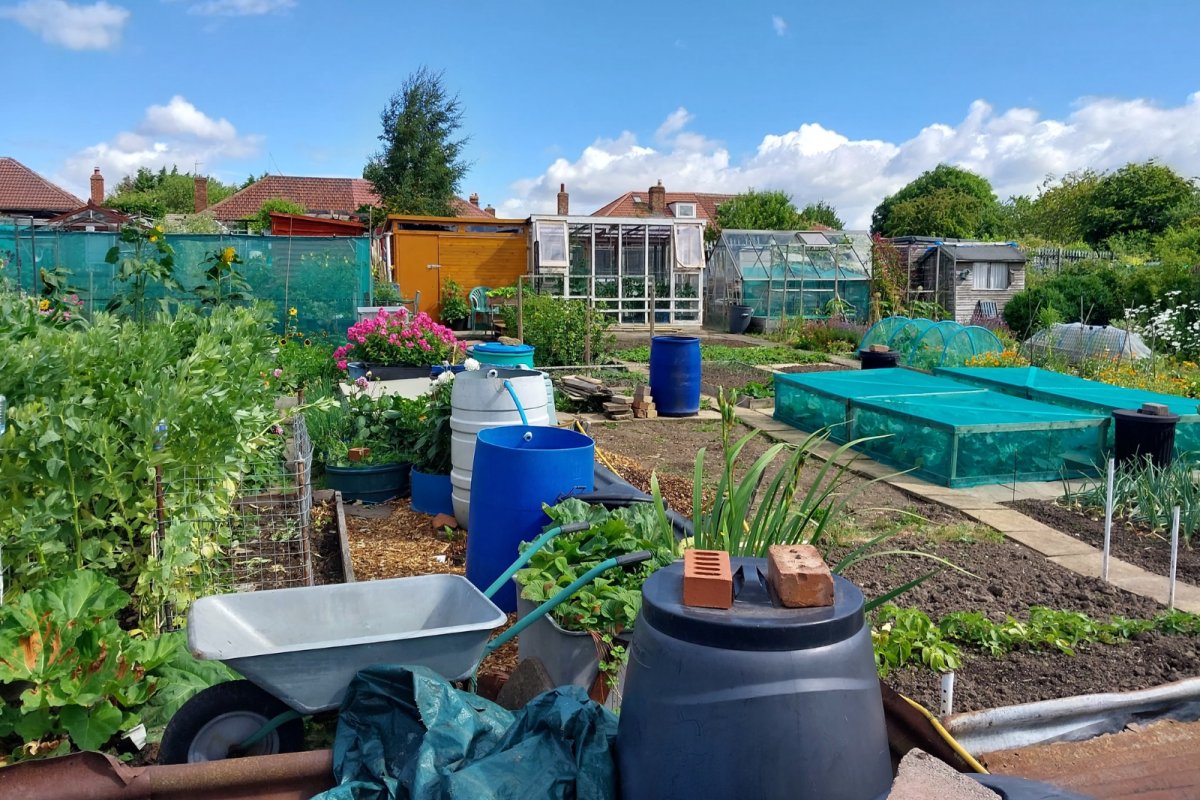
95,776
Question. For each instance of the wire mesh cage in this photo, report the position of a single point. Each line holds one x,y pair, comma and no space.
1078,342
248,533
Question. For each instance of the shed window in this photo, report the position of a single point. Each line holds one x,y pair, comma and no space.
990,275
552,243
689,246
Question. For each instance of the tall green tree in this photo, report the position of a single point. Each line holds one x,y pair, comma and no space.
420,167
945,201
156,194
821,213
758,211
1058,214
1138,202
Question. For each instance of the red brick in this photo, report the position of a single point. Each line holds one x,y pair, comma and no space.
444,521
707,579
799,576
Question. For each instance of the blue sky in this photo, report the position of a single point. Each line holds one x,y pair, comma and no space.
844,102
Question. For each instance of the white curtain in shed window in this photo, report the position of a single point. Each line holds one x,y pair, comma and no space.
990,275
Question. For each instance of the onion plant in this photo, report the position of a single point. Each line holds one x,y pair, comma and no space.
1145,494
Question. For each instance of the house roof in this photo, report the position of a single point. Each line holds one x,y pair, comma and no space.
637,204
89,214
22,189
980,252
342,196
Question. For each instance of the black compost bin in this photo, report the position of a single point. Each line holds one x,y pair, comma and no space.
1140,435
739,318
757,701
872,359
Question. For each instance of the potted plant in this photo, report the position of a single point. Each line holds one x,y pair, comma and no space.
368,446
502,296
455,308
431,452
599,617
396,344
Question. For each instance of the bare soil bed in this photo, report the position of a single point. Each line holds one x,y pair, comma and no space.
1006,580
1147,549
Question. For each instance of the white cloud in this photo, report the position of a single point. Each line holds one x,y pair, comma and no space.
779,24
1015,149
177,133
76,27
240,8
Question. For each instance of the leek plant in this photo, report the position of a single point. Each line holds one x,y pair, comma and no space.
1144,494
753,512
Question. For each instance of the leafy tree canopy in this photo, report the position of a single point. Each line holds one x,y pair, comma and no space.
279,205
156,194
420,167
759,211
945,201
1139,201
821,213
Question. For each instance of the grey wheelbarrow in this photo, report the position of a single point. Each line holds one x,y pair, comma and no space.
299,648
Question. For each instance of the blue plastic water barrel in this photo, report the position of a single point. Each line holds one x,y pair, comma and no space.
516,469
502,355
675,375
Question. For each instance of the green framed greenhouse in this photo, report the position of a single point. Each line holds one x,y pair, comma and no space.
789,274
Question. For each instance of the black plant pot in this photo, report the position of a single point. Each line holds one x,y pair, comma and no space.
373,484
391,372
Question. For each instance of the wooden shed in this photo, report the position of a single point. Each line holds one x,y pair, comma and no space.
305,225
473,251
973,281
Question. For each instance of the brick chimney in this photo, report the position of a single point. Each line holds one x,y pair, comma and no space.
201,193
474,198
564,200
658,199
97,197
489,210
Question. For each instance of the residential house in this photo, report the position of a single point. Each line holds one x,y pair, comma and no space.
93,217
28,197
657,202
331,198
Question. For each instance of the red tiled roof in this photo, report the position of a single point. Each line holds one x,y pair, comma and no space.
22,189
317,195
627,206
464,209
324,195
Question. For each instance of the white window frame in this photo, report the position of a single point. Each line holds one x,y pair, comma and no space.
987,274
553,245
689,255
684,210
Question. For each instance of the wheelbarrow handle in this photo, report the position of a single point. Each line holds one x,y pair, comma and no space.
535,545
563,595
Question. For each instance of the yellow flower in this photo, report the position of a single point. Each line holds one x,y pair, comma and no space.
228,254
158,228
292,311
153,238
44,305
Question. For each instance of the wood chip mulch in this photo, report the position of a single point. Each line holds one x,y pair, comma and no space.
404,544
676,491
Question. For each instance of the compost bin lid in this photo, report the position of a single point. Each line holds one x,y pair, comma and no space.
756,621
1137,415
502,349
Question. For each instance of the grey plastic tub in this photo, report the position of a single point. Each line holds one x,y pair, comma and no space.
304,645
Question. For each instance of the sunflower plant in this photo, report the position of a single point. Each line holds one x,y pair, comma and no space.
142,258
223,283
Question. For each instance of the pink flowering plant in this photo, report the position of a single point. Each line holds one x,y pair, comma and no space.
398,338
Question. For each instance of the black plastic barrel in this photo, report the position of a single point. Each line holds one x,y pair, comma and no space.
739,318
1138,435
758,701
872,359
675,375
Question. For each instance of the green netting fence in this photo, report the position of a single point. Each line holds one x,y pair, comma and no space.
324,278
1047,386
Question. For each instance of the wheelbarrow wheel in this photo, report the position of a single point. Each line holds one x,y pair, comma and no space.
211,724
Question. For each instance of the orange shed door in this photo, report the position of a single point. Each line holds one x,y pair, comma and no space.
418,268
